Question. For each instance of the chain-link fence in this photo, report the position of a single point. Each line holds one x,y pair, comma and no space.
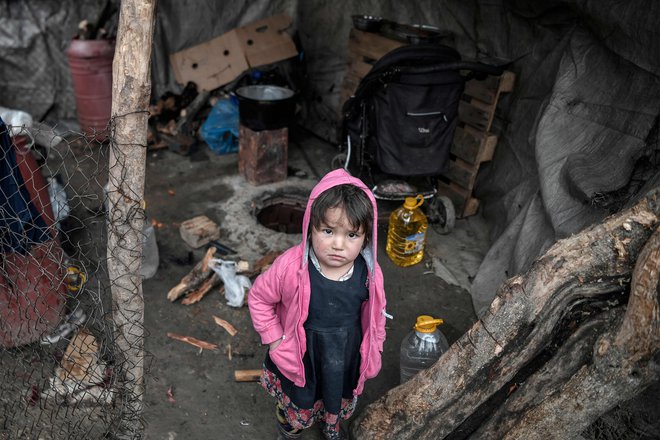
63,374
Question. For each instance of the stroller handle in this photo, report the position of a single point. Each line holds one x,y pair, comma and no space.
474,67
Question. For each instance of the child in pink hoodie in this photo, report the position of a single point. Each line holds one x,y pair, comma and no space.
321,310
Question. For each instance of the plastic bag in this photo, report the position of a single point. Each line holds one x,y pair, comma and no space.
17,120
220,129
235,285
58,200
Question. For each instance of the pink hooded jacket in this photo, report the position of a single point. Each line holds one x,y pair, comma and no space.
279,299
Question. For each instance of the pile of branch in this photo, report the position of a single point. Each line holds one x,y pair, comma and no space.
561,345
103,26
202,279
175,119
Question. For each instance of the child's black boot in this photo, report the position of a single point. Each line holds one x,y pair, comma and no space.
333,432
284,429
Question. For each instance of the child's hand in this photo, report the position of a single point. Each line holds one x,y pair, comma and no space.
273,345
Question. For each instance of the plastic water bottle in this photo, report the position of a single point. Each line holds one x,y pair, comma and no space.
150,257
422,347
406,233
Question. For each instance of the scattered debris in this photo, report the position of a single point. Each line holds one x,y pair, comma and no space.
224,324
247,375
170,395
235,285
442,271
72,321
95,395
75,279
81,377
203,345
180,135
243,266
264,262
198,231
196,295
194,279
156,224
103,26
222,249
81,360
167,127
33,395
210,272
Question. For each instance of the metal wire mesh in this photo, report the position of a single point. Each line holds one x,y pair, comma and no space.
62,373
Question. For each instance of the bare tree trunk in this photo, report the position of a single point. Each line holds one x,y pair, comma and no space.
622,366
481,371
131,90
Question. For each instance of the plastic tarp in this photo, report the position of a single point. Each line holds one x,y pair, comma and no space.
580,138
34,35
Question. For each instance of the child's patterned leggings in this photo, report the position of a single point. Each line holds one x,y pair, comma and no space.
286,426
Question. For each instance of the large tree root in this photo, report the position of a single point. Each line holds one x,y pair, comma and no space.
549,351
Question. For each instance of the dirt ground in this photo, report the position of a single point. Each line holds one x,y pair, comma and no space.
192,394
207,402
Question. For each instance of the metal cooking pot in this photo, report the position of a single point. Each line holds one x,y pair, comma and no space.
265,107
367,23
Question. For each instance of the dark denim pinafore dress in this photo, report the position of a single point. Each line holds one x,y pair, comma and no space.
334,335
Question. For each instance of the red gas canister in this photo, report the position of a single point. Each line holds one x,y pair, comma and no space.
90,63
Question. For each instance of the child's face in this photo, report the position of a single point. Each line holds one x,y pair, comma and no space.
336,243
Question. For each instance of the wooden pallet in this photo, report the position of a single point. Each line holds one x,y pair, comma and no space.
364,48
473,144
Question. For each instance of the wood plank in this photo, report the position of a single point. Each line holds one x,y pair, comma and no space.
470,208
473,115
247,375
487,149
198,231
461,172
351,81
464,204
485,90
507,81
473,146
370,45
489,89
348,88
445,189
359,68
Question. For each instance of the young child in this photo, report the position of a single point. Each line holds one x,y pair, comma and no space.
321,309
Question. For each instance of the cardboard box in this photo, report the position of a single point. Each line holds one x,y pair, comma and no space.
220,60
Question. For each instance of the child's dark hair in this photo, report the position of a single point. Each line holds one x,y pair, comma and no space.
355,202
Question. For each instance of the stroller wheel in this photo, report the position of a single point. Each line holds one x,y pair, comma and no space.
338,161
447,215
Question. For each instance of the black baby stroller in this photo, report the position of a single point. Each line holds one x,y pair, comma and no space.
398,127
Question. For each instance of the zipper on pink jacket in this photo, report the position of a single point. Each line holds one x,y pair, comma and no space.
298,325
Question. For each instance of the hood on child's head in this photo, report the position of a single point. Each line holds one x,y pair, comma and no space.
332,179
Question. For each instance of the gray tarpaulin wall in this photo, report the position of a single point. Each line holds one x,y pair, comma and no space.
578,136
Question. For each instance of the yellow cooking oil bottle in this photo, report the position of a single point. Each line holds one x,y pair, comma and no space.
406,232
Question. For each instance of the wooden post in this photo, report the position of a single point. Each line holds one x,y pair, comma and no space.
131,89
